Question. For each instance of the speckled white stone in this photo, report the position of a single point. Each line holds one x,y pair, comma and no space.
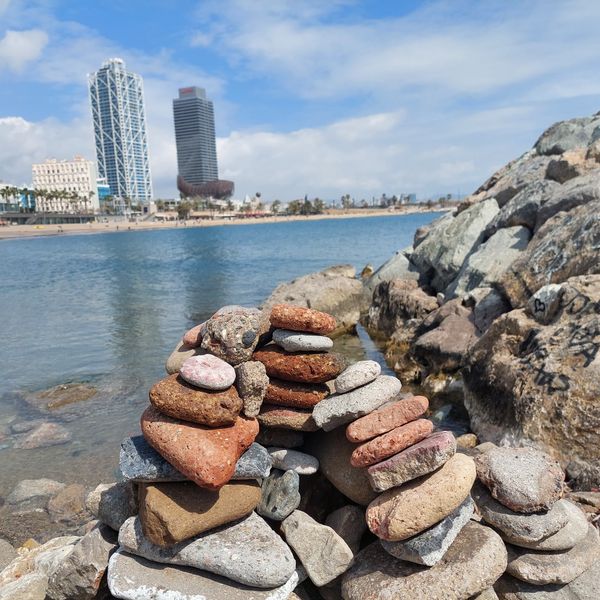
292,460
208,371
293,341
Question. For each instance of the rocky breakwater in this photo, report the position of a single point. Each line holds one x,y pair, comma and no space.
494,307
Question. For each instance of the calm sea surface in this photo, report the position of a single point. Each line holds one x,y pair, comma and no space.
108,309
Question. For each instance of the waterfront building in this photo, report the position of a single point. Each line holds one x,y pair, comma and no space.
117,101
68,186
14,198
194,120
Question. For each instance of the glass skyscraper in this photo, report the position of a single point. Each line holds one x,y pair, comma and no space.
117,100
195,136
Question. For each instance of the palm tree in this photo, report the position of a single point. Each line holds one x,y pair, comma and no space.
275,205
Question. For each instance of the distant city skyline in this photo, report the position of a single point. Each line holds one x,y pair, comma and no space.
317,98
121,140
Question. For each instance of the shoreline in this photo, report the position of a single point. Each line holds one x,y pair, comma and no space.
13,232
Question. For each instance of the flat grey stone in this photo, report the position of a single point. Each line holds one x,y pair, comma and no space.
357,374
33,493
79,575
565,538
113,503
349,523
294,341
323,553
541,568
429,547
519,527
292,460
280,495
134,578
247,551
339,409
138,461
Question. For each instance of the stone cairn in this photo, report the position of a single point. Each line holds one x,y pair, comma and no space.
218,503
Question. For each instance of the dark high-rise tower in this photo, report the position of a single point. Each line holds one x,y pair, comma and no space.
195,136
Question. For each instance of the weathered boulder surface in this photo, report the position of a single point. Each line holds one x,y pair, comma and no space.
335,291
567,135
540,380
397,267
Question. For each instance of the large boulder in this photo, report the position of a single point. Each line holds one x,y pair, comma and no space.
567,245
440,256
567,135
534,376
397,267
335,291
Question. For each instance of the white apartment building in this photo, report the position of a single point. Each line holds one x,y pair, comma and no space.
71,185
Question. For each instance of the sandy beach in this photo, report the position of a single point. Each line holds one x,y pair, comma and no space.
26,231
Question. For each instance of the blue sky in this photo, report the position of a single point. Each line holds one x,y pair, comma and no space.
311,97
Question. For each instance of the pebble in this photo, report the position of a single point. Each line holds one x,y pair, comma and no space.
251,383
139,461
292,460
284,438
43,436
292,341
339,409
208,372
192,338
541,568
297,318
472,564
247,551
403,512
179,355
174,512
391,443
429,547
113,503
134,578
287,418
333,452
295,395
523,479
349,523
417,460
387,418
233,335
322,552
33,493
206,456
280,495
301,367
179,399
467,440
357,374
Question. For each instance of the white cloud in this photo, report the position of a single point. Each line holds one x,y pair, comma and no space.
19,48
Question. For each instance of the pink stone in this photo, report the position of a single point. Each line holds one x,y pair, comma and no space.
193,337
208,371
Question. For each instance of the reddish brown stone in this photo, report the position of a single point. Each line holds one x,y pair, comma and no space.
387,418
296,318
177,398
391,443
304,368
204,455
286,418
298,395
193,337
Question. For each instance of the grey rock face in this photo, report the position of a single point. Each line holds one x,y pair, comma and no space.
138,461
397,267
294,341
489,262
7,553
339,409
349,523
541,568
448,245
518,527
429,547
488,304
280,495
472,564
251,383
29,587
247,551
323,553
113,503
33,493
544,305
292,460
357,374
78,577
567,135
134,578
